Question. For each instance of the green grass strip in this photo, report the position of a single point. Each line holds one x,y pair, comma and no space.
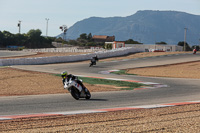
3,66
124,84
121,72
128,85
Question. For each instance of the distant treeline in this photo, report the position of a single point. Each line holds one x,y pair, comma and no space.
32,39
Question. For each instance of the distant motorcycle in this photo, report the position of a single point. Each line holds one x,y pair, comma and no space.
93,61
194,51
76,90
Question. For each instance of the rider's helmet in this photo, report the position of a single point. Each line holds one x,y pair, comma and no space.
64,74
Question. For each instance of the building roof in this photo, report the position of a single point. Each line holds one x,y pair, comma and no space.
99,37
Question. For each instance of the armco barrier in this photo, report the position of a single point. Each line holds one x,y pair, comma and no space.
65,59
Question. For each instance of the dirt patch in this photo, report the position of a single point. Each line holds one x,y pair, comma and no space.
184,119
21,82
183,70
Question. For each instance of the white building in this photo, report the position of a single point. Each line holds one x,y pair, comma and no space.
156,47
147,47
116,44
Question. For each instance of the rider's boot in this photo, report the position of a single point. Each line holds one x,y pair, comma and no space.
85,89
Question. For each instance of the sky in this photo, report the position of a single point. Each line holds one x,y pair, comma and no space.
33,13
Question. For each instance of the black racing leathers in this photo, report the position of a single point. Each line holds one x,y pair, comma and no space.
72,77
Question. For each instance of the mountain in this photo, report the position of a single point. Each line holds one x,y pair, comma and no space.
145,26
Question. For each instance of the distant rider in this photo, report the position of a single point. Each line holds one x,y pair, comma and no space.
66,77
194,51
94,59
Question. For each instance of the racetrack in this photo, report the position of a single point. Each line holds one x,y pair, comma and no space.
177,90
6,54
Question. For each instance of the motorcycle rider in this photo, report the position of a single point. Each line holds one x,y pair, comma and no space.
66,77
194,51
94,59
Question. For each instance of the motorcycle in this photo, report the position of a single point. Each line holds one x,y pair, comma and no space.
93,61
76,90
194,51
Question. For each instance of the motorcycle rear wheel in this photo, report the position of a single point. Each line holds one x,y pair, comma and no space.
88,95
75,93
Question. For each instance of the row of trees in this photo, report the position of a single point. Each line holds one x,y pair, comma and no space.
86,40
83,40
131,41
187,46
32,39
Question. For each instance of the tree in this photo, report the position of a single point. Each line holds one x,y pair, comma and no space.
89,37
161,43
83,36
131,41
187,45
34,34
90,44
85,40
32,39
21,39
82,42
73,42
2,39
60,40
8,38
35,40
195,46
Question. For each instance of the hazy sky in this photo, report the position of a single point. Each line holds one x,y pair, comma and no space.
32,13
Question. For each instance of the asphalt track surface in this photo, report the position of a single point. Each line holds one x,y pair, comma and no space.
174,89
4,53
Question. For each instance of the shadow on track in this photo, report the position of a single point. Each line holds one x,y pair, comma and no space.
97,67
94,99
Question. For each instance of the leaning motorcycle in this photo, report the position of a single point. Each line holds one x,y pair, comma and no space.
194,51
92,63
76,90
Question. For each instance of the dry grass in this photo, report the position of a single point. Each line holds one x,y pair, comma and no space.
21,82
183,119
183,70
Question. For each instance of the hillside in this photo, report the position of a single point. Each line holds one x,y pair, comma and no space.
144,26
